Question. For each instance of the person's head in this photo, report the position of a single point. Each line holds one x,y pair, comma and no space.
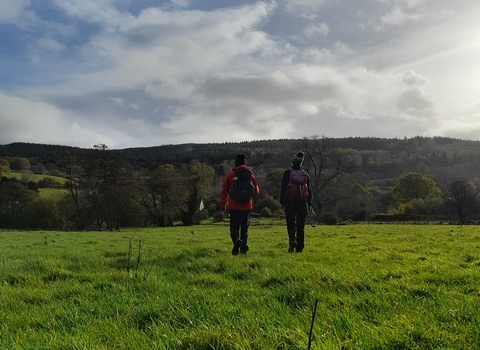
297,159
240,160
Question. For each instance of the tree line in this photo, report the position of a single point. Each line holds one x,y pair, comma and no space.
354,179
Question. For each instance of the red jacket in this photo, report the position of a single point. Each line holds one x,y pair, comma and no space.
227,186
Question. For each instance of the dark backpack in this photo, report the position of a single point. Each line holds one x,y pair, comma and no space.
297,187
243,189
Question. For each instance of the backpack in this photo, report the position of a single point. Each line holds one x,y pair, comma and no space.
297,188
243,189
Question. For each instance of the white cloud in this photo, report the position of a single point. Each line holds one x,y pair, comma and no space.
399,17
50,45
40,122
314,30
342,49
102,12
118,100
181,3
305,4
11,10
174,73
412,78
16,12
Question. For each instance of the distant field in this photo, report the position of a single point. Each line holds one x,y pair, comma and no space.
377,286
53,192
38,177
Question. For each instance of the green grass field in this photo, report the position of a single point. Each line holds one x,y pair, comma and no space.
38,177
53,192
377,286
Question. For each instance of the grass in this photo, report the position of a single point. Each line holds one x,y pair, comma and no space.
37,177
54,193
378,287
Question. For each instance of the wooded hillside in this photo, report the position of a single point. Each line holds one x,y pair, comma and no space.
354,178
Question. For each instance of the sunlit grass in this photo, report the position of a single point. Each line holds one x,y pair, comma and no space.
53,192
37,177
378,287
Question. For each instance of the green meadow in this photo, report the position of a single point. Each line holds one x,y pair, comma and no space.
37,177
377,287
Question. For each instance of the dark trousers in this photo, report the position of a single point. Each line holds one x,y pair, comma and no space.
295,213
239,222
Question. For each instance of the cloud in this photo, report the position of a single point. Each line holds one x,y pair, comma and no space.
314,30
127,75
399,17
303,4
11,10
40,122
102,11
16,12
415,99
50,45
411,78
181,3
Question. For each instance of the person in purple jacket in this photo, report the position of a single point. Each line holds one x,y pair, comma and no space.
296,200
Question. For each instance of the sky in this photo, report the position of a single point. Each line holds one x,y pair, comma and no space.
141,73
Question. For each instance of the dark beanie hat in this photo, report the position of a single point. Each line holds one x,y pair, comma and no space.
297,159
240,160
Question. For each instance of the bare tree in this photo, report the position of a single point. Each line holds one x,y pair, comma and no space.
326,166
162,195
462,197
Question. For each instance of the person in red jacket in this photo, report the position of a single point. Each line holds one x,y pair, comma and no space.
238,189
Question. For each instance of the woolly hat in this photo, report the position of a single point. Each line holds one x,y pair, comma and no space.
240,160
297,159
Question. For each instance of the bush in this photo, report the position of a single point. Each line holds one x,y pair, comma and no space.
359,215
272,204
329,219
218,216
48,182
42,213
266,212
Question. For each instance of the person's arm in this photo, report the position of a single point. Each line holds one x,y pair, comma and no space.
255,185
310,191
283,187
224,193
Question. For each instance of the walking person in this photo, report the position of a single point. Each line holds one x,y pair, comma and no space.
296,200
238,189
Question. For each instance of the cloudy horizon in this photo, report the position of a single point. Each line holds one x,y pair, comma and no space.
147,73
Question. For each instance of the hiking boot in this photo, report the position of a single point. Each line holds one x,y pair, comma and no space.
244,249
291,248
236,247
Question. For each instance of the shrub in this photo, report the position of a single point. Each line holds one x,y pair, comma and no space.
329,219
42,213
218,216
266,212
48,182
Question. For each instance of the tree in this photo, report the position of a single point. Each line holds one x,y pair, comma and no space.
199,185
162,195
326,167
415,185
20,164
360,205
102,187
273,182
462,198
41,213
4,167
14,198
